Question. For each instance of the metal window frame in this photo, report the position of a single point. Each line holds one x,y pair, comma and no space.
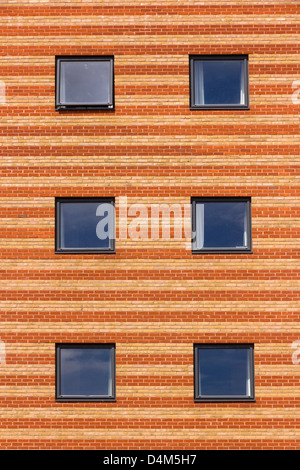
59,249
79,398
59,106
224,398
221,250
193,58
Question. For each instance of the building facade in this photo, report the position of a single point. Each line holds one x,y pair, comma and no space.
149,224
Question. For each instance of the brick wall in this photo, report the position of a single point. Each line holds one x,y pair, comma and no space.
153,298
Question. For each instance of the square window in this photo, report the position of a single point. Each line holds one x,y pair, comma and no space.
219,82
221,225
84,83
224,372
85,225
85,372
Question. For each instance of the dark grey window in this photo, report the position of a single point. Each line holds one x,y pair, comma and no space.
84,82
224,372
219,82
85,372
85,225
221,225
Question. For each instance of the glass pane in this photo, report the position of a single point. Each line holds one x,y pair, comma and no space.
86,371
224,372
219,82
86,225
85,82
221,225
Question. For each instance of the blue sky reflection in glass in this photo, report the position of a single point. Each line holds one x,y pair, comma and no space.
86,225
221,225
219,82
224,372
86,371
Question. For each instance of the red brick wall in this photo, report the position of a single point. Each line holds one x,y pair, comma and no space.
153,298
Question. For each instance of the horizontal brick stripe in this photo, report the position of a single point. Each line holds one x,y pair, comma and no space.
152,284
191,314
151,273
146,110
163,295
181,70
136,8
155,191
144,49
194,423
186,403
93,139
188,315
147,150
146,170
150,29
222,416
153,253
153,444
147,338
168,130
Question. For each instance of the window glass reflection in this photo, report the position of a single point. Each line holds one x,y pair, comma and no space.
86,371
221,225
86,225
85,82
219,81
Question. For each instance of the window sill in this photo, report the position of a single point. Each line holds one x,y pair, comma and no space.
220,108
92,399
85,252
222,252
225,400
85,108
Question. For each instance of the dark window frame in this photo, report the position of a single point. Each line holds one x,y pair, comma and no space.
59,106
80,398
194,106
59,249
224,398
224,250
